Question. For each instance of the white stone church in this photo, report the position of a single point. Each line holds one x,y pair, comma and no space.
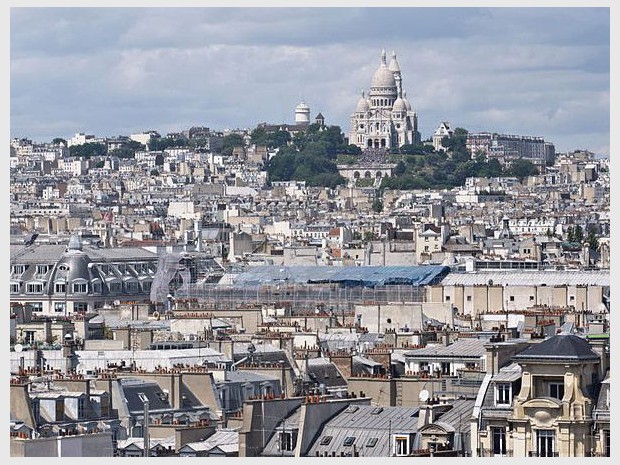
384,118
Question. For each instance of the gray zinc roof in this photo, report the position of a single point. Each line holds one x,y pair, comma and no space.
468,347
529,278
564,347
364,423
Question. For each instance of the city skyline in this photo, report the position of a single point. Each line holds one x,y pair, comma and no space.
527,71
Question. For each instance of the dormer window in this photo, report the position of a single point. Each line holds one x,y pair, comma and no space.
287,440
502,394
19,269
60,287
80,288
34,288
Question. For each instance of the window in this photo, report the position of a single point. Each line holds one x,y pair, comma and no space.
80,307
115,287
502,394
544,443
556,390
512,298
36,410
606,443
401,445
531,298
81,288
14,288
35,306
146,286
499,441
447,298
19,269
81,407
468,298
348,441
132,286
59,307
325,440
34,288
60,288
42,269
287,440
372,442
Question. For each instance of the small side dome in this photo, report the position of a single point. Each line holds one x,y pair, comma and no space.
362,105
399,105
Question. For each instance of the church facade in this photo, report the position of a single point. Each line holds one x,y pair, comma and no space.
384,118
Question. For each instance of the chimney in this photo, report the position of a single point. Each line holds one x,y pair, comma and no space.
426,416
344,362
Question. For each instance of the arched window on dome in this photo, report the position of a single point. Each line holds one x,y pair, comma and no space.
356,175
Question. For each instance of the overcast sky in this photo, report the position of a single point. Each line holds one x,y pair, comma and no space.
112,71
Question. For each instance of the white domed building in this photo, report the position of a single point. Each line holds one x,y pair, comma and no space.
384,118
302,114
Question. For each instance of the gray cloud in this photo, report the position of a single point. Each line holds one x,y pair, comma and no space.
109,71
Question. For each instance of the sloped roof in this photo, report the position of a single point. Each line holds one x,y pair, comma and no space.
349,275
467,347
529,278
565,347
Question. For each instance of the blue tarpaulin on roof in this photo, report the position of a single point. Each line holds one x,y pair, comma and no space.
366,276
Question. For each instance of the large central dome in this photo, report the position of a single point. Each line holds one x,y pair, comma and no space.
383,77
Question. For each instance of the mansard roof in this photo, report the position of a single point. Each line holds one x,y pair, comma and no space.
562,347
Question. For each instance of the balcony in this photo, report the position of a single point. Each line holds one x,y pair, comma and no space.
535,453
483,452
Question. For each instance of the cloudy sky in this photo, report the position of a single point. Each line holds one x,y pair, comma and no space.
111,71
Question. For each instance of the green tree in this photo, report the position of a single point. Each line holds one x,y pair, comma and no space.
90,149
59,140
377,206
578,232
230,141
521,169
592,239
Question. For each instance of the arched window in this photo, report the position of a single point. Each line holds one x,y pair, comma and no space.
356,175
367,175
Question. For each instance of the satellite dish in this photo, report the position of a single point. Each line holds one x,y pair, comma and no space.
424,395
18,347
